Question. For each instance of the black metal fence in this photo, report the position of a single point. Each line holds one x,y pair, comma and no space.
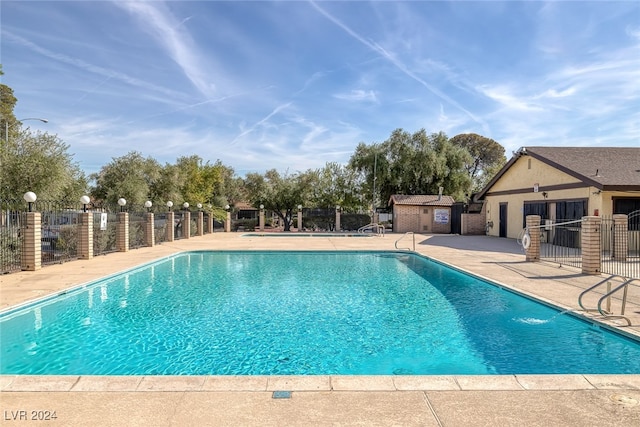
617,257
137,223
560,242
11,235
160,227
104,231
178,218
193,226
59,230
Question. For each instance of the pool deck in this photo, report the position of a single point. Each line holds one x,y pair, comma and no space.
508,400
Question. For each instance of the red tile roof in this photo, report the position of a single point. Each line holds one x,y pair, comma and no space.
421,200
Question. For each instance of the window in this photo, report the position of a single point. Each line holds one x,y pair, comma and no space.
534,208
626,206
571,210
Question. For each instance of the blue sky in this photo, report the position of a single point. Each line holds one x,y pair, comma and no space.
292,85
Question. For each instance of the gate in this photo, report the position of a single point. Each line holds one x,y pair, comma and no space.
11,235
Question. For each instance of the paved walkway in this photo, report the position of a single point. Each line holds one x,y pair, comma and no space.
510,400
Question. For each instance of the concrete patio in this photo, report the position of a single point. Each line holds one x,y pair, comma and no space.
510,400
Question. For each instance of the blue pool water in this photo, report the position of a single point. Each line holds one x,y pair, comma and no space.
261,313
323,234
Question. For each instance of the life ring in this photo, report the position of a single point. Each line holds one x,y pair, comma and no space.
526,241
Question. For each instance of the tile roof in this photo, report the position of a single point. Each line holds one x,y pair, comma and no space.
421,200
606,168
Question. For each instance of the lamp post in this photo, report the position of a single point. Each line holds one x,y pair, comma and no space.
185,205
85,201
148,205
30,197
227,223
169,205
122,202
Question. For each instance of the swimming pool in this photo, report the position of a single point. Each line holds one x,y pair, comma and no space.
306,313
323,234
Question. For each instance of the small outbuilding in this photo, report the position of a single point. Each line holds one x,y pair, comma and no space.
421,213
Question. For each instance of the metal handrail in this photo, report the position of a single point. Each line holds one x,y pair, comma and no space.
608,314
403,236
379,228
608,279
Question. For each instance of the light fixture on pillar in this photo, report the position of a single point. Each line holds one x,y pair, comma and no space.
30,197
185,205
338,208
199,206
148,205
85,201
122,202
226,207
299,207
261,207
169,205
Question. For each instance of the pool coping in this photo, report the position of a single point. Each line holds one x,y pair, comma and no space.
316,383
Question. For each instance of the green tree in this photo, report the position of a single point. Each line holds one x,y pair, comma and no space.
487,157
280,194
415,163
336,185
197,180
8,122
131,177
39,162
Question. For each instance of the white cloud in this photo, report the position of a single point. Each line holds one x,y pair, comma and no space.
357,95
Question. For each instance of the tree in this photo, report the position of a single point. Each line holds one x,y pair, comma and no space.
412,164
39,162
487,157
280,194
8,122
130,177
336,185
197,180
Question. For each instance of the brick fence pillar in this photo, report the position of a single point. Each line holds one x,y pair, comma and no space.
122,232
338,219
210,223
591,244
532,253
261,220
200,223
170,227
32,245
186,225
299,219
85,235
149,229
227,223
620,237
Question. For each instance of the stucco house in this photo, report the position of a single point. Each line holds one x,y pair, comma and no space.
561,183
421,213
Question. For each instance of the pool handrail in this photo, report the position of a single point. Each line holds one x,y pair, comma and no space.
607,296
402,237
378,227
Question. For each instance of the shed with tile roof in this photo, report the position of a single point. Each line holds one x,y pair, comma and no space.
561,183
421,213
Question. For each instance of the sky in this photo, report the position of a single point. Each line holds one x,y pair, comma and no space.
292,85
